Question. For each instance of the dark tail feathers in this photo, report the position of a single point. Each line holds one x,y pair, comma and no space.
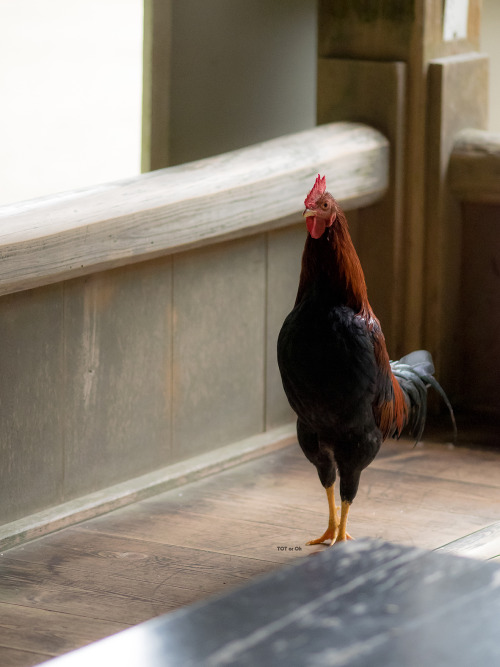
415,374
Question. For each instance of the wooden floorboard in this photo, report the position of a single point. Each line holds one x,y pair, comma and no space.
48,632
88,581
21,658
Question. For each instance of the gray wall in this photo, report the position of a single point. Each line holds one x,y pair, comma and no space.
241,71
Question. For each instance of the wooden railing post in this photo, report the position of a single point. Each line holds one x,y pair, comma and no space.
457,99
157,57
474,179
375,36
351,89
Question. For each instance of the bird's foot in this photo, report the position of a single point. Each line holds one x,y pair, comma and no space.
329,534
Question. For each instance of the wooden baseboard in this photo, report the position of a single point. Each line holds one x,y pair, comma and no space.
125,493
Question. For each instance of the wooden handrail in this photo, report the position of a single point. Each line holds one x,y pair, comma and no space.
474,169
235,194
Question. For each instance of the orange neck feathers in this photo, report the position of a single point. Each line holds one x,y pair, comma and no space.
333,260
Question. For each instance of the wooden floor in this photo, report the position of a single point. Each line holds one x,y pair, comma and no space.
89,581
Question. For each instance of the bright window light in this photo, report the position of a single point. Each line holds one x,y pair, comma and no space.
70,91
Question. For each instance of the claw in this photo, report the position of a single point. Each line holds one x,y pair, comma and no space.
340,539
329,534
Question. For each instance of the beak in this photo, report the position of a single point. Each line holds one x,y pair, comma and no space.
308,213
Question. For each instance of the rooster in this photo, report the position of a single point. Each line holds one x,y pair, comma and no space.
334,365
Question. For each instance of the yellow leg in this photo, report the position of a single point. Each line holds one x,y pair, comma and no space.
333,520
343,535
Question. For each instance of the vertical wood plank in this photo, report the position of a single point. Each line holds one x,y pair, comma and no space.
479,320
218,360
351,89
457,99
118,375
361,30
157,63
31,401
284,254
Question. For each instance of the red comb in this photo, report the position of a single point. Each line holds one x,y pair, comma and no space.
317,190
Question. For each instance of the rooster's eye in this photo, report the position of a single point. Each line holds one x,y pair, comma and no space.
324,205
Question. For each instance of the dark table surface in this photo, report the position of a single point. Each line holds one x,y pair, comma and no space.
364,603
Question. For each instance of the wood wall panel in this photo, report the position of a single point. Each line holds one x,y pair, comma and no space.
117,375
31,401
284,256
219,330
457,99
479,322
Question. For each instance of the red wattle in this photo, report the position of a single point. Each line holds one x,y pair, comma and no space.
315,226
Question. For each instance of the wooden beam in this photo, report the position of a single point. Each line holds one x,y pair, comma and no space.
409,31
157,58
350,90
474,170
231,195
457,99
